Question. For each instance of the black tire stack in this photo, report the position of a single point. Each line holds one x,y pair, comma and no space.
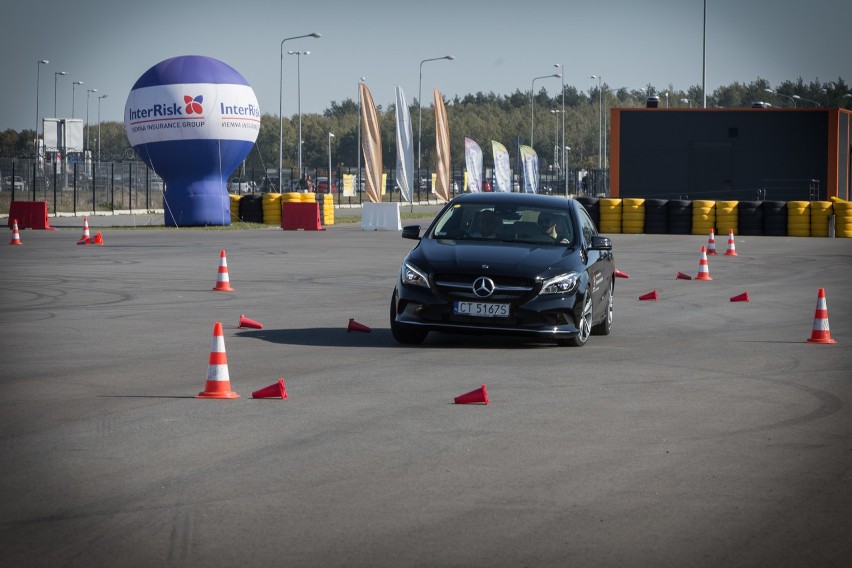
656,216
593,207
679,216
251,208
774,218
750,218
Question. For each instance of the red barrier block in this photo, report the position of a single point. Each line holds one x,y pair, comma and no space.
301,216
30,215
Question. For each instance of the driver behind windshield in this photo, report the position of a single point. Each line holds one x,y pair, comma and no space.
547,225
486,225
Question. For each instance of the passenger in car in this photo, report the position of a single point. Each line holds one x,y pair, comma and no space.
486,224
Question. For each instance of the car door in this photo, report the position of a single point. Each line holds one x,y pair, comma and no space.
596,262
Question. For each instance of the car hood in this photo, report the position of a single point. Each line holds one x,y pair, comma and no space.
444,255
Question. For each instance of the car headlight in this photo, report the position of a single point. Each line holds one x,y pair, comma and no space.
562,284
410,276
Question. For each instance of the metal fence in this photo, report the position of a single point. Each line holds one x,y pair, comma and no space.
91,187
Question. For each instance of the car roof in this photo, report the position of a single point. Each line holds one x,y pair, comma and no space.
506,198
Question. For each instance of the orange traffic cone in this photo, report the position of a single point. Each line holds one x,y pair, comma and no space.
218,382
16,236
223,283
703,267
620,274
821,333
741,297
98,239
246,322
355,326
682,276
275,390
732,248
478,396
85,239
649,296
711,244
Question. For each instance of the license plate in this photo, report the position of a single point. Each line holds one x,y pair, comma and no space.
481,309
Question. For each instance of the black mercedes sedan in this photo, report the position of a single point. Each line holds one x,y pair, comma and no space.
506,264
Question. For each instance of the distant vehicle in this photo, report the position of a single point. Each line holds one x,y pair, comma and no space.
240,186
19,184
321,185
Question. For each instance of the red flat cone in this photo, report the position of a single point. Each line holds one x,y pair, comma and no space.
98,239
478,396
649,295
682,276
620,274
246,322
355,326
275,390
741,297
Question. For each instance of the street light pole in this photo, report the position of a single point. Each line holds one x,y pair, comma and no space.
600,120
299,55
798,98
777,94
99,125
88,129
358,150
55,78
280,98
562,73
38,75
73,89
330,136
532,103
420,109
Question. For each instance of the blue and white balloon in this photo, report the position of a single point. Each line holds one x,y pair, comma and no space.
193,119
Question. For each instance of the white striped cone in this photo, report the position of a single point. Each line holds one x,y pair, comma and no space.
223,282
711,244
732,248
218,383
821,333
16,236
86,238
703,267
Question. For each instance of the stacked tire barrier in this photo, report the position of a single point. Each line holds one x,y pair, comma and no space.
703,216
843,219
235,207
326,208
754,218
632,215
272,209
610,215
251,208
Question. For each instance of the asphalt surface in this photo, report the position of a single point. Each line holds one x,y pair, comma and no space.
702,432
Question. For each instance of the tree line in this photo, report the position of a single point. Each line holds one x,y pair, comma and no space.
483,117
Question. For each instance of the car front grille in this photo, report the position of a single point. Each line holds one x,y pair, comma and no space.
509,289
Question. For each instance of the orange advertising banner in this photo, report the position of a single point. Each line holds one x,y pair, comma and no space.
442,145
371,145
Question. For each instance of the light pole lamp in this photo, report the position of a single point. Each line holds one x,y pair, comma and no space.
73,89
280,98
420,109
299,55
532,103
88,129
556,160
798,98
600,120
38,76
330,136
55,80
777,94
687,101
562,74
358,149
100,98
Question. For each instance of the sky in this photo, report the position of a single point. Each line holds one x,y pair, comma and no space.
498,46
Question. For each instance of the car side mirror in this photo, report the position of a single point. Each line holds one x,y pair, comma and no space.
600,242
411,232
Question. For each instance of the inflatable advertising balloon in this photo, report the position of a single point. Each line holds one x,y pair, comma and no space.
192,119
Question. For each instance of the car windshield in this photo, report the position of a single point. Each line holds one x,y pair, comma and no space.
505,223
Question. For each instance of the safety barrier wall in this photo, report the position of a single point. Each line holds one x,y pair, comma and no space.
768,218
267,208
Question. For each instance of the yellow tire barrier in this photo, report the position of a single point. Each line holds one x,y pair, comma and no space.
799,218
820,212
633,215
610,214
726,216
703,216
842,218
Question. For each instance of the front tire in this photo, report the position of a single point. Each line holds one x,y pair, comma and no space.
584,324
403,334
